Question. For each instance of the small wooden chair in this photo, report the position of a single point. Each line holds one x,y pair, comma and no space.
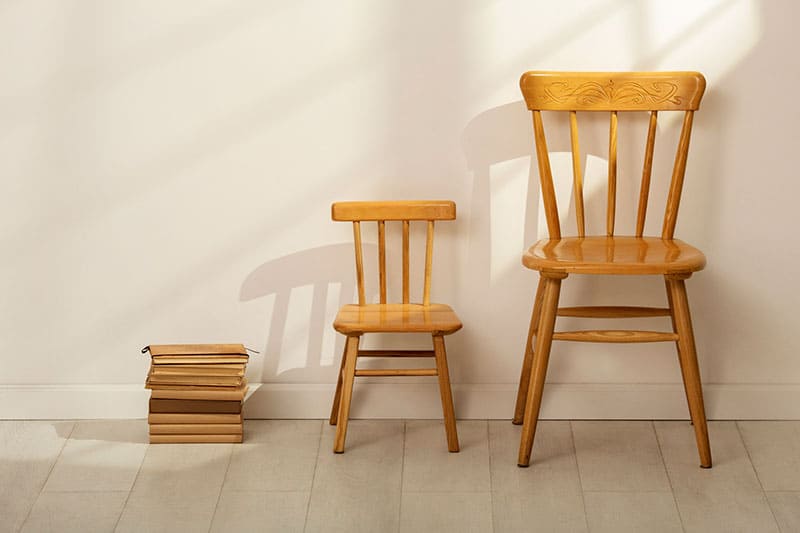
355,320
557,257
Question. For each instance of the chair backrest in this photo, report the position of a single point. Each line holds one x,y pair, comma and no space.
612,92
401,211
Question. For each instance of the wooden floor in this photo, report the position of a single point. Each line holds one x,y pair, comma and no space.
398,476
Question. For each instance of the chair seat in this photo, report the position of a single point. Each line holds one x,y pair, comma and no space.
397,318
614,255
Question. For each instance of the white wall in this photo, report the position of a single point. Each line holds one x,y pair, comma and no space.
167,171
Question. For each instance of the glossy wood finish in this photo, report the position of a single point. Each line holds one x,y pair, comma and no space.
447,396
385,317
426,292
334,418
676,185
611,207
612,91
396,372
577,176
348,377
396,318
396,210
647,172
559,256
546,177
544,337
614,255
359,262
396,353
617,311
614,335
527,363
406,267
689,367
382,259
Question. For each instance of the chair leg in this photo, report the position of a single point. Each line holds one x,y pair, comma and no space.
527,362
691,372
349,375
447,396
675,330
337,396
544,338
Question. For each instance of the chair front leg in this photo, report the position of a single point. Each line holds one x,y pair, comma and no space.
349,375
446,394
687,353
544,338
527,361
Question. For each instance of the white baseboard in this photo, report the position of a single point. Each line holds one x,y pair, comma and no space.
403,400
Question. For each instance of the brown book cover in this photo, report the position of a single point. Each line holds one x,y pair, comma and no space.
198,359
199,393
195,429
167,405
194,418
195,349
189,439
200,388
207,381
223,369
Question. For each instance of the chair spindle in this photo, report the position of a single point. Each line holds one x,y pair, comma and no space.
647,170
612,175
382,258
405,261
426,295
359,262
576,173
676,185
546,177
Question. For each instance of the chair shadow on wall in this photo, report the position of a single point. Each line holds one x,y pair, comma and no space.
325,269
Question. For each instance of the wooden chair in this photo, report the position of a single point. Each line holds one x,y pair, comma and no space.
355,320
559,256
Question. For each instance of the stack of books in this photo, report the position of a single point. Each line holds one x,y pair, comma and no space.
197,391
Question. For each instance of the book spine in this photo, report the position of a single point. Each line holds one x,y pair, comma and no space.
196,429
223,395
196,381
193,418
196,439
205,407
198,360
196,349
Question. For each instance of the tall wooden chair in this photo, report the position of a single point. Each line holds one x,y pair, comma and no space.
406,317
559,256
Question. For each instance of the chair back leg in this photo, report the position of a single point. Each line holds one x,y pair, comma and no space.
446,394
337,396
687,354
348,377
675,330
544,338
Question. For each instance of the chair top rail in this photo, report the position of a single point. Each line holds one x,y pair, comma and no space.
394,210
612,91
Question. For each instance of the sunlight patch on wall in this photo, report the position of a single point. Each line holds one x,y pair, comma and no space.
680,34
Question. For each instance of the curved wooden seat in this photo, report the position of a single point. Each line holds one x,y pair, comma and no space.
437,319
614,255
